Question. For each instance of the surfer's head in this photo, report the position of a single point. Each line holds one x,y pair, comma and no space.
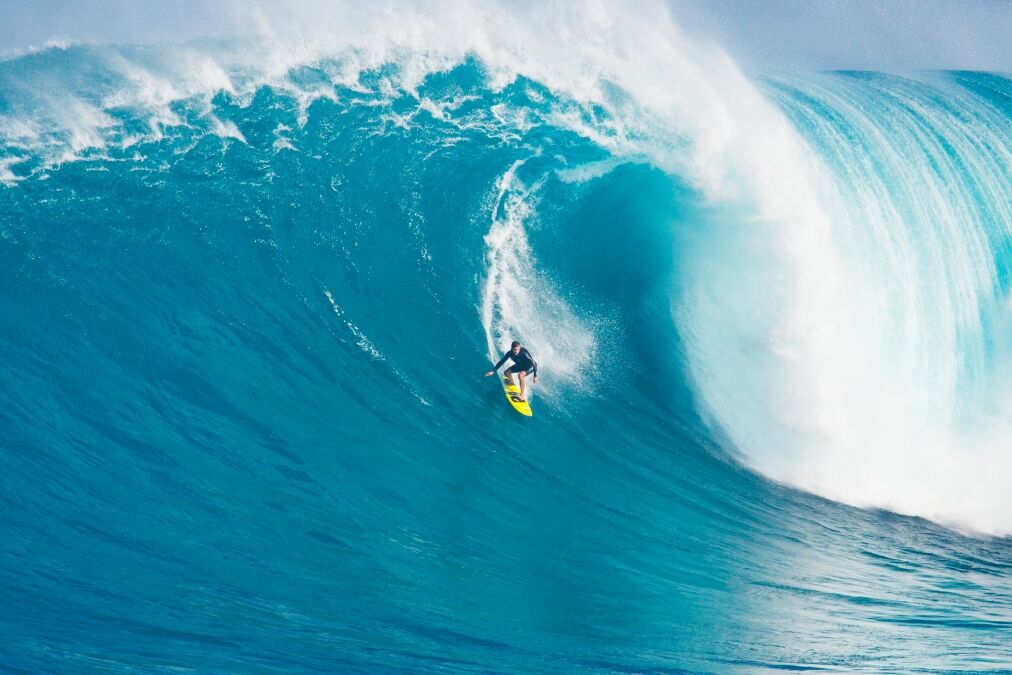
515,346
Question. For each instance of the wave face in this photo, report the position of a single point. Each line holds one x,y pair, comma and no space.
249,292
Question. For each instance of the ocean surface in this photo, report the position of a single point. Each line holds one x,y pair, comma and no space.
248,291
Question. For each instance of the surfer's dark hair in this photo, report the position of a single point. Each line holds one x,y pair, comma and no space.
515,344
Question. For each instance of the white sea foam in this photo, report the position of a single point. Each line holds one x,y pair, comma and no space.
56,43
7,177
892,392
520,303
363,342
361,339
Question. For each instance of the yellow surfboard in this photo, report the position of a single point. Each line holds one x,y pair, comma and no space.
513,396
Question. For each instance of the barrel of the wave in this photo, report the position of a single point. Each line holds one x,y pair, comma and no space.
521,405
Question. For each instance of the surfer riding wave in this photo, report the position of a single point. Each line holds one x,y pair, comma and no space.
523,363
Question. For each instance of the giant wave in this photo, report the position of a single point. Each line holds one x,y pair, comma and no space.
251,285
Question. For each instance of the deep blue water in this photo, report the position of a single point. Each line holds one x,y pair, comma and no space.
243,425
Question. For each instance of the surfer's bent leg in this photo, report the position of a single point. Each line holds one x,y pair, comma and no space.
522,374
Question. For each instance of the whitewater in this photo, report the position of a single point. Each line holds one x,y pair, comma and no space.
251,285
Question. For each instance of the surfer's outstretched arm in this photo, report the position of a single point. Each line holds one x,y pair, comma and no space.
501,361
498,365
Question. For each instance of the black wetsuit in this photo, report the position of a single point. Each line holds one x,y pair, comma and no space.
521,362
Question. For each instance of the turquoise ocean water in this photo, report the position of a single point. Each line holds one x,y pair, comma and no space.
245,313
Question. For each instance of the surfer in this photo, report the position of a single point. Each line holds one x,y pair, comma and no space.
523,363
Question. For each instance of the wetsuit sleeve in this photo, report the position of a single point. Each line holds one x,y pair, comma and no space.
501,361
